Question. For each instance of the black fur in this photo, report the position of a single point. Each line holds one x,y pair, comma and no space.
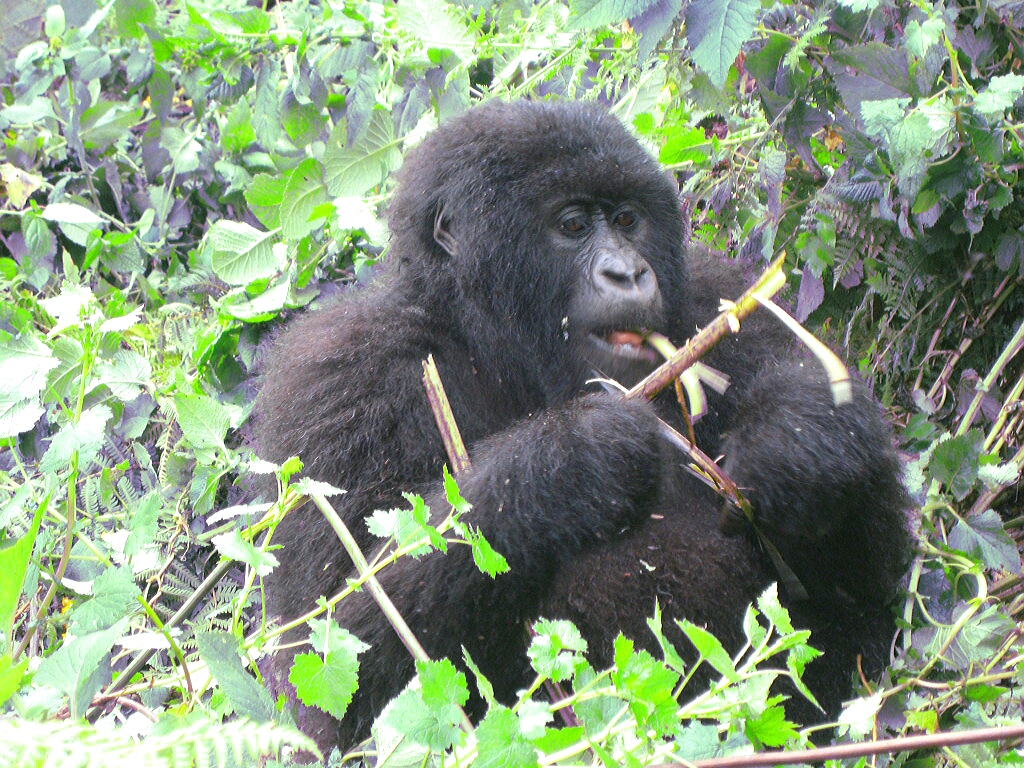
488,275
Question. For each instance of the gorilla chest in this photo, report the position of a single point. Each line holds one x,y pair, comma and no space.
677,560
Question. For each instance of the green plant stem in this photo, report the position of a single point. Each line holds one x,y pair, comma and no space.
1011,349
405,633
58,574
170,639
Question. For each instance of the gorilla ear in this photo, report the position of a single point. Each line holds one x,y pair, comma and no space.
443,236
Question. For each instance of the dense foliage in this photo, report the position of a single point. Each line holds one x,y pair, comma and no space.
179,176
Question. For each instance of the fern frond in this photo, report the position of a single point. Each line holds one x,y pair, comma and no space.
180,743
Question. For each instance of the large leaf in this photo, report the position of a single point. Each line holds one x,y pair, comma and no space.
352,171
716,30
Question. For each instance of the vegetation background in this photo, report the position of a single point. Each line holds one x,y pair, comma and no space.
178,177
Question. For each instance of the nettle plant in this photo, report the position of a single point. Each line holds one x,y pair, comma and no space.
177,176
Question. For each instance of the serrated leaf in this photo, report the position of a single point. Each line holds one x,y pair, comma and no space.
24,363
487,560
413,718
232,545
240,253
432,23
442,686
590,14
328,684
984,538
716,31
125,374
352,171
303,192
771,728
73,306
1001,94
954,462
250,699
204,421
500,742
114,597
81,666
85,437
18,415
710,649
556,649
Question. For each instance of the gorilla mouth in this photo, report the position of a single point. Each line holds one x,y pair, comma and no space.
625,344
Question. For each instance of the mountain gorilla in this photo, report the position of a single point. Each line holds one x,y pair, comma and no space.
531,244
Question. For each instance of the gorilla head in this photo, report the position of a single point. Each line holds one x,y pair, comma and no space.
557,225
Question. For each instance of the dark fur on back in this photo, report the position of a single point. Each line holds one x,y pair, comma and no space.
595,514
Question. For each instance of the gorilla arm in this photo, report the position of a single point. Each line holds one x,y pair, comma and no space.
822,478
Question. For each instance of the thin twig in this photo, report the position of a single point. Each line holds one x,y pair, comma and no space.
846,751
728,321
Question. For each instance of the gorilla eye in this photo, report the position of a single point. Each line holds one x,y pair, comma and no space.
624,219
574,225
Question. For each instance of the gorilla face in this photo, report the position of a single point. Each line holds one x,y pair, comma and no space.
615,296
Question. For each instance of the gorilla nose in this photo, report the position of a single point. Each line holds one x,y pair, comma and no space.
625,275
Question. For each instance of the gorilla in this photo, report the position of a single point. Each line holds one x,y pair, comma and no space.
531,246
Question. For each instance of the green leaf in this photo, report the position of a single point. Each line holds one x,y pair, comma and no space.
248,698
716,30
590,14
984,538
710,649
452,493
303,192
325,683
13,567
132,15
81,666
487,560
241,253
204,421
858,716
72,307
954,462
24,363
443,687
771,728
557,649
352,171
432,727
145,514
232,545
408,526
1001,94
75,221
686,146
11,676
85,437
124,374
648,685
114,597
500,742
432,24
